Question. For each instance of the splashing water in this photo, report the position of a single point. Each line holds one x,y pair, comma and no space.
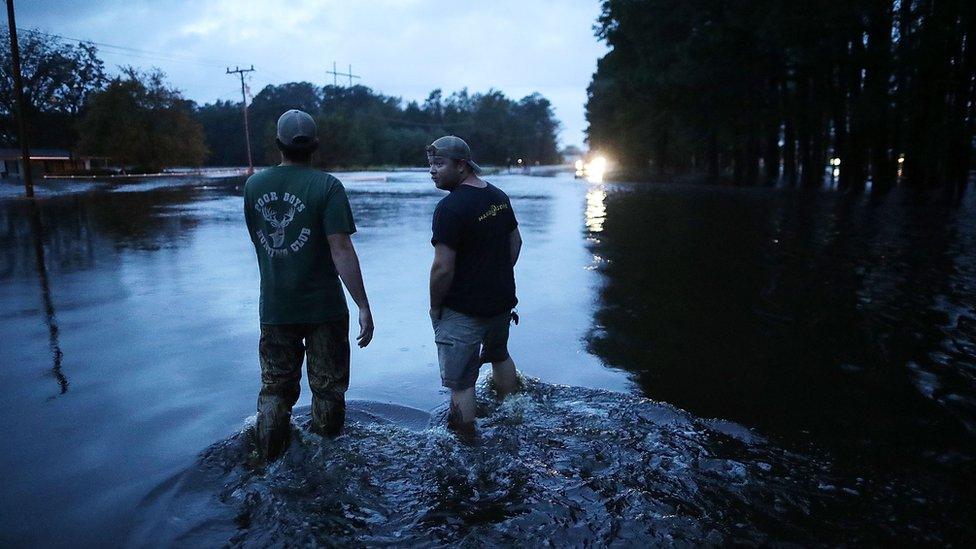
577,466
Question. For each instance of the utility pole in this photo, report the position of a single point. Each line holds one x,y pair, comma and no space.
21,106
335,75
247,128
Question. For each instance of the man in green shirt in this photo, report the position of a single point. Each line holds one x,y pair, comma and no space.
299,220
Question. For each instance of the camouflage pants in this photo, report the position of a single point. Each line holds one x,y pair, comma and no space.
282,349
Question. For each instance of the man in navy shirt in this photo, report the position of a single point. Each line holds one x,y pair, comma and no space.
472,280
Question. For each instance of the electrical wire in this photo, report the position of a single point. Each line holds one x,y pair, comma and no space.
136,52
206,62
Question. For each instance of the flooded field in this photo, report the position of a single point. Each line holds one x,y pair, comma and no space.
705,365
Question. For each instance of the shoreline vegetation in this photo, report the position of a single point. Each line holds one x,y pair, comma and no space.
239,171
143,123
59,185
863,94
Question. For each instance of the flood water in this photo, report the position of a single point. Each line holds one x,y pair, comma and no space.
705,365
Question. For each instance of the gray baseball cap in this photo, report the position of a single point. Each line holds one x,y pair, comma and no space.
453,147
296,129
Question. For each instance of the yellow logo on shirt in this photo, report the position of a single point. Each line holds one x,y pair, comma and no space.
492,211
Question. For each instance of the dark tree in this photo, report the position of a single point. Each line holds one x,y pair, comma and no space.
58,80
775,90
359,127
138,120
223,127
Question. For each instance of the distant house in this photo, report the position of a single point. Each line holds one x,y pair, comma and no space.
48,162
571,154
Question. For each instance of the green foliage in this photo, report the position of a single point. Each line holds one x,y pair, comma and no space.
223,128
359,127
139,121
727,88
58,79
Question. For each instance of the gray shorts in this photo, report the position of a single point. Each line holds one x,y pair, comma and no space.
465,342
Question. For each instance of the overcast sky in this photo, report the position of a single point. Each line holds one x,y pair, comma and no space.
403,48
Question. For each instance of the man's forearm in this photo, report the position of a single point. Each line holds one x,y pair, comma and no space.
515,246
347,265
440,282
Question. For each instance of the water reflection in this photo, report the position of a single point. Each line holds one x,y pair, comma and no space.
151,294
55,239
37,236
818,318
595,209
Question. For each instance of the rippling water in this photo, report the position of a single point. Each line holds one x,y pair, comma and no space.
832,336
577,466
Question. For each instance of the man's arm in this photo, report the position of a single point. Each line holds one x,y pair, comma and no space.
441,275
247,217
515,241
347,264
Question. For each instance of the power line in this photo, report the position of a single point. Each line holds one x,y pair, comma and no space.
166,56
128,55
209,62
247,129
336,75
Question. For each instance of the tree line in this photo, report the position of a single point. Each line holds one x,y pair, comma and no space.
360,127
137,119
776,90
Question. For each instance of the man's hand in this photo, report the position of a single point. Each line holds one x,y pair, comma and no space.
365,327
347,264
441,275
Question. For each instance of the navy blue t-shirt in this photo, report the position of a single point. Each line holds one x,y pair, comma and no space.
477,224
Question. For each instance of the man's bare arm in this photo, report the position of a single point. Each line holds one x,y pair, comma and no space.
515,241
347,265
441,275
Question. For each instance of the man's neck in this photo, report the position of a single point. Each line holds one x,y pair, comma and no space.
290,163
474,181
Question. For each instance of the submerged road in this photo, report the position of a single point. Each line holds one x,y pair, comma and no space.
834,339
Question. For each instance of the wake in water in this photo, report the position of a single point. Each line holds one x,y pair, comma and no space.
572,465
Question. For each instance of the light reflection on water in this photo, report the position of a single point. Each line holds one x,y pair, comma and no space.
154,291
818,318
824,321
596,211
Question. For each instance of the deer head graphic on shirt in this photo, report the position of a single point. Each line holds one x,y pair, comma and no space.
278,236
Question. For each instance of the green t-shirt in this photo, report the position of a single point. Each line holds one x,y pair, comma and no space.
289,211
